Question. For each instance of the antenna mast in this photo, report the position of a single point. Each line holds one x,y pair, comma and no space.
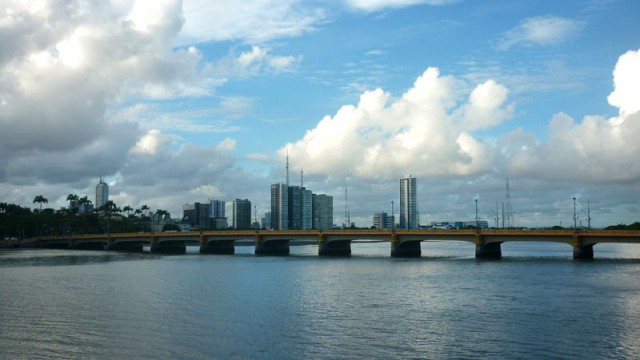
287,167
509,213
347,216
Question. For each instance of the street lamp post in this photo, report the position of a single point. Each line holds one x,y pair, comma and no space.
575,219
393,220
477,221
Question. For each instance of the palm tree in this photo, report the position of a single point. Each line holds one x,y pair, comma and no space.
40,199
127,209
71,198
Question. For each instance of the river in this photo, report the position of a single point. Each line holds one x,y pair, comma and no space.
535,302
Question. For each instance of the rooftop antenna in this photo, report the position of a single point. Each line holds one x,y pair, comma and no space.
287,167
301,178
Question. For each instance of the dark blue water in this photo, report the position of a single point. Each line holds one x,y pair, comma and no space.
535,302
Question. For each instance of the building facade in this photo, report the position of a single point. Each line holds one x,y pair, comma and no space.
102,194
241,214
279,207
322,211
408,203
383,221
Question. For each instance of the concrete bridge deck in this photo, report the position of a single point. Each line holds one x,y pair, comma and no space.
404,243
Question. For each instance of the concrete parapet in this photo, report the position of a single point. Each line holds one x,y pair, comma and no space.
406,249
221,247
272,247
488,251
334,248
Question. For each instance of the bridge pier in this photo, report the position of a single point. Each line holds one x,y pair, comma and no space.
488,251
271,247
583,252
406,249
168,247
334,248
88,246
220,247
125,247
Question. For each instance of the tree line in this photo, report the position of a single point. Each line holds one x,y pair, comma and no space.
19,222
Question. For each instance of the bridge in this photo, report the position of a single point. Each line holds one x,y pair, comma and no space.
404,243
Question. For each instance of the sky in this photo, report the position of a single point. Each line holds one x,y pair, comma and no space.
176,102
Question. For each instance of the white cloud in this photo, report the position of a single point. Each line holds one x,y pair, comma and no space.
63,67
626,80
542,30
377,5
254,21
595,150
425,132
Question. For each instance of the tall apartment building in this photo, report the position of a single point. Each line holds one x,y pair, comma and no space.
102,193
306,208
322,211
408,203
241,214
295,208
279,207
218,218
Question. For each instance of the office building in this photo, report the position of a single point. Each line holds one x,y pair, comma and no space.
383,221
241,214
322,211
408,203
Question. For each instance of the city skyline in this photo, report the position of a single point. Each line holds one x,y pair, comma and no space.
181,101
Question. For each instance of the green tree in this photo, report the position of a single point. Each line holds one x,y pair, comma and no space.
40,199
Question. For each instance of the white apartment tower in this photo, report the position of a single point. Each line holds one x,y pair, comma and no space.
280,207
408,203
102,193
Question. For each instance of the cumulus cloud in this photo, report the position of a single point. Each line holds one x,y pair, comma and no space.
541,30
58,84
427,131
626,81
595,150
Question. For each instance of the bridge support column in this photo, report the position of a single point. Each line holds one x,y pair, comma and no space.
168,247
271,247
488,250
405,249
334,248
221,247
87,246
125,247
581,252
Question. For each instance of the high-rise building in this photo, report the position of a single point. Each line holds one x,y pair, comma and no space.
295,208
102,193
306,207
279,207
197,215
382,221
322,211
241,214
217,209
408,203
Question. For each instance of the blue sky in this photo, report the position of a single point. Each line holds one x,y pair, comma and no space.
176,102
